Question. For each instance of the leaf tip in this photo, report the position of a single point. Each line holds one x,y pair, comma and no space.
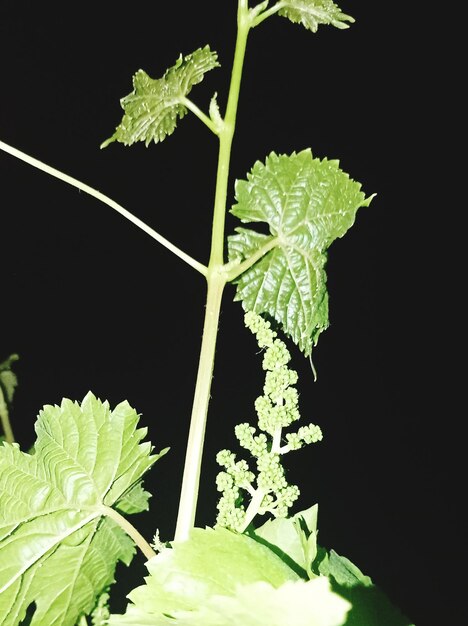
108,141
368,200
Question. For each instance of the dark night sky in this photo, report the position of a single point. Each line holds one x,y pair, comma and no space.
92,303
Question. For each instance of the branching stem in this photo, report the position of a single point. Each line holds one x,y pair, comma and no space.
106,200
263,16
199,113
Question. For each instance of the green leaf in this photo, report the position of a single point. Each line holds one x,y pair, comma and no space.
8,380
58,549
343,571
134,501
312,13
307,203
221,578
101,612
293,539
370,606
153,107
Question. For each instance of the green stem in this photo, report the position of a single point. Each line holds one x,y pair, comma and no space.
199,113
131,531
103,198
253,508
276,443
216,280
269,12
5,419
193,458
226,135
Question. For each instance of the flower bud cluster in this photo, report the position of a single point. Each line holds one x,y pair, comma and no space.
276,409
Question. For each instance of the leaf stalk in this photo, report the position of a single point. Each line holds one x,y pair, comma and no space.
106,200
199,113
233,271
131,531
268,13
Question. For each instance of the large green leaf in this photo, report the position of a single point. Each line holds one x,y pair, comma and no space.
307,204
312,13
154,105
58,548
220,578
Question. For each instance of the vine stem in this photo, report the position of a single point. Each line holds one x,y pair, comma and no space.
216,279
106,200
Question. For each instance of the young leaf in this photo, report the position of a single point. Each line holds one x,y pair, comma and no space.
293,538
307,203
343,571
370,606
153,107
58,548
134,501
221,578
312,13
101,612
8,380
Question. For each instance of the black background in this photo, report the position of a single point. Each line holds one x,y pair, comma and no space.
90,302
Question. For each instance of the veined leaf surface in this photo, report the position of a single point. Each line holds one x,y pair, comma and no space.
57,548
307,204
293,538
154,106
220,578
134,500
312,13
